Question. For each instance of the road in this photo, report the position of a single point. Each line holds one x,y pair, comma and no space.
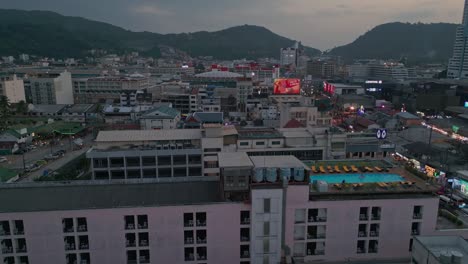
16,161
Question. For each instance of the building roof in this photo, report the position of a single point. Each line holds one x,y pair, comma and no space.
407,115
293,123
209,117
85,195
234,159
79,108
218,74
162,112
49,109
438,245
258,133
148,135
277,162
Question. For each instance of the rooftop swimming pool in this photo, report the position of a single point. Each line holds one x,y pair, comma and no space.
357,178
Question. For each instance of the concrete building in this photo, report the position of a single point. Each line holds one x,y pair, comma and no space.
160,118
258,210
322,69
439,249
458,64
100,89
45,88
12,88
289,56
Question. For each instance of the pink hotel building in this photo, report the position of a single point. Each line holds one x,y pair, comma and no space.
259,210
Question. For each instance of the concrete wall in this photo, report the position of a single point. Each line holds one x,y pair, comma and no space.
45,237
343,222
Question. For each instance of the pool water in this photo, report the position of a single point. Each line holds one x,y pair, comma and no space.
357,178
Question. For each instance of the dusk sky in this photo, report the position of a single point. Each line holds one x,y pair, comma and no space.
320,24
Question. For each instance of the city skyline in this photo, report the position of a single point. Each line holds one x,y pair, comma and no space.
345,20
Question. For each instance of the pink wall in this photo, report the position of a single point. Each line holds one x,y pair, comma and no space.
107,236
343,222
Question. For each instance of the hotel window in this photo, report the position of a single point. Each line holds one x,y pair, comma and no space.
266,205
243,143
266,259
260,143
266,245
266,228
276,142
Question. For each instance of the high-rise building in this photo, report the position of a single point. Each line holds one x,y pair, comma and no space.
458,64
289,56
49,88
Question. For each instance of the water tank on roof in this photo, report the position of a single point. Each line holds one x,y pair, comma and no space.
258,175
445,257
271,174
457,257
299,174
285,174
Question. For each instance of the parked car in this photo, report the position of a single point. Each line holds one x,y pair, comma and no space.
3,159
60,152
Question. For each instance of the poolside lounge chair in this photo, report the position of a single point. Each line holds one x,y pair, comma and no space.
345,168
337,169
368,169
382,185
330,169
314,169
322,170
337,186
378,169
354,169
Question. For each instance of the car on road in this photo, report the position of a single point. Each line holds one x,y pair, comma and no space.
61,153
3,159
52,156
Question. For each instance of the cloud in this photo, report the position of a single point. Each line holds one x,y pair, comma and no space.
151,9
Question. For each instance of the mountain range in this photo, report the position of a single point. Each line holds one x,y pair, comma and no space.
47,33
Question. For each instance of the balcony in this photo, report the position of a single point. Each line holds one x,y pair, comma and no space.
201,223
374,233
84,246
361,250
245,221
143,243
70,246
188,240
7,250
245,254
417,216
130,243
130,226
363,217
362,234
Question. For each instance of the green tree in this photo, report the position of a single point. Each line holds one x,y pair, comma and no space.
4,113
21,107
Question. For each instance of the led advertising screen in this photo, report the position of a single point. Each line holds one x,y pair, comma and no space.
287,86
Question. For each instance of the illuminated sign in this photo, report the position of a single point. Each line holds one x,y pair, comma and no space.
466,104
287,86
381,134
373,82
329,88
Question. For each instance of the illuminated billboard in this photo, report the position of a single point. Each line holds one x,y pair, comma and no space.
287,86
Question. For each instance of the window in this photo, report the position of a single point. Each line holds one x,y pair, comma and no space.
376,211
276,143
266,228
245,217
243,143
144,256
373,246
230,181
361,247
142,222
129,222
299,216
200,219
417,212
260,143
266,205
266,245
410,245
363,213
266,259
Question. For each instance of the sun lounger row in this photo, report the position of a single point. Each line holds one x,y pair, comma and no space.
337,169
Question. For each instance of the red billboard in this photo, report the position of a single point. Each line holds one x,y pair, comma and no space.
287,86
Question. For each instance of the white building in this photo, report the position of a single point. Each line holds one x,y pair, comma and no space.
163,117
12,88
289,56
458,64
45,88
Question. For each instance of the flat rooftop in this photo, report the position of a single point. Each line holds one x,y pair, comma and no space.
234,159
277,162
438,245
86,195
148,135
258,133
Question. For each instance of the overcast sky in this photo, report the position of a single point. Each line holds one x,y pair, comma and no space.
321,24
